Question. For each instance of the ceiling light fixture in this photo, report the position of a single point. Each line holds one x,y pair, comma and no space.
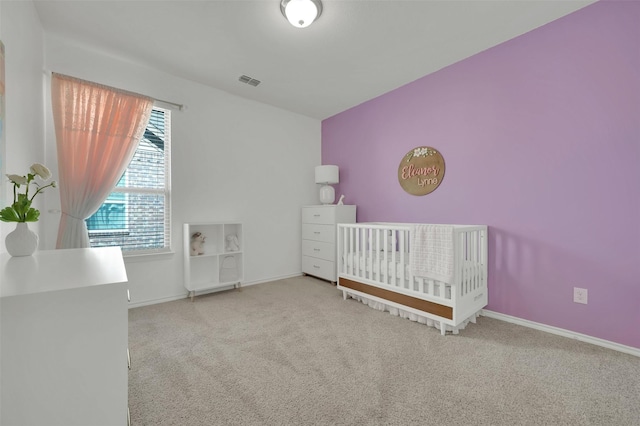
301,13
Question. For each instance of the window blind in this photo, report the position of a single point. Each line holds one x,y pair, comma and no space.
137,214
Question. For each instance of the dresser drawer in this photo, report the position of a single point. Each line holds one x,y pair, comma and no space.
319,267
326,215
324,233
326,251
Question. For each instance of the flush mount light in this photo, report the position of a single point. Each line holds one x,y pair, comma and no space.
301,13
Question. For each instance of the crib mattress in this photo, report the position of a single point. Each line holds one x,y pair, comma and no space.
363,265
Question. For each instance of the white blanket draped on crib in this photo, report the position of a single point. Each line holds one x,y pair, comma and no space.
432,252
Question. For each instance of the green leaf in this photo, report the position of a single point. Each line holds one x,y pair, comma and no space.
8,214
22,206
32,215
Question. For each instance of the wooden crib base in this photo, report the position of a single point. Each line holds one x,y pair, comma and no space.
412,302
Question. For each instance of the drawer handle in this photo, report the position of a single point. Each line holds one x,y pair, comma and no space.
316,266
128,296
316,249
316,232
128,359
316,215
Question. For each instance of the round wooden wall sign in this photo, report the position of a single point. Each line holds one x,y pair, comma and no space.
421,171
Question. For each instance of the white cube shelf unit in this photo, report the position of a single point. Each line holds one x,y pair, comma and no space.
220,264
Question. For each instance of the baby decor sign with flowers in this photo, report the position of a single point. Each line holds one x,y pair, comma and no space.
23,241
421,171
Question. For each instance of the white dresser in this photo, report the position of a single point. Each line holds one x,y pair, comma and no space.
64,327
319,238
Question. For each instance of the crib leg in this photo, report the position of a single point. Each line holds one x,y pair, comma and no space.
443,329
344,295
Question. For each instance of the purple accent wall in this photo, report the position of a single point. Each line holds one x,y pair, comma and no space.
541,139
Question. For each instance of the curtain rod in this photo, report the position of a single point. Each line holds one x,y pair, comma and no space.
171,105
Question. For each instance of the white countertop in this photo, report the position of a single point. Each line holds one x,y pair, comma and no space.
54,270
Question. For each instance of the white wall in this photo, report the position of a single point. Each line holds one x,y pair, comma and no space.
22,36
233,159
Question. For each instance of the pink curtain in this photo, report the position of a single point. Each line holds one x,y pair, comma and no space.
97,132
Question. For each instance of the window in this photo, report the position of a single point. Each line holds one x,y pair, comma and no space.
136,215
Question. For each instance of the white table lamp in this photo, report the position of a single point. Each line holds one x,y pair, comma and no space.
327,176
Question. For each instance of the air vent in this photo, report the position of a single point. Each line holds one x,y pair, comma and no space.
250,81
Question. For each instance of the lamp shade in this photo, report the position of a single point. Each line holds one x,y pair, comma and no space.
327,174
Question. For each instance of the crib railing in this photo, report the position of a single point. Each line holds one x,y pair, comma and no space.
378,253
471,258
363,246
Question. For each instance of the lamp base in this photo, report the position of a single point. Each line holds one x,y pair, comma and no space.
327,194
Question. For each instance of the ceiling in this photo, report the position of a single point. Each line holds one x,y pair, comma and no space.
355,51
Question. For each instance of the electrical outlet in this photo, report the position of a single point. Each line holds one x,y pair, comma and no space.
580,295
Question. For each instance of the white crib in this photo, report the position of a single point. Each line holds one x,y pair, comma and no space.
374,267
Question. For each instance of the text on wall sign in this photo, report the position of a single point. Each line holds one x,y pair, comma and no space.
421,171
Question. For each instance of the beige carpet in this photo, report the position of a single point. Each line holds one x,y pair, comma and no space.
292,352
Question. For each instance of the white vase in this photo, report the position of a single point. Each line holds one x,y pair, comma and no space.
22,241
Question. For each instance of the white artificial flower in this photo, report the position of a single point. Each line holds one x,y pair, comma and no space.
17,179
21,210
41,170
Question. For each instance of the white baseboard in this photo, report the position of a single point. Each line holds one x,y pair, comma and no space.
156,301
267,280
562,332
186,294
